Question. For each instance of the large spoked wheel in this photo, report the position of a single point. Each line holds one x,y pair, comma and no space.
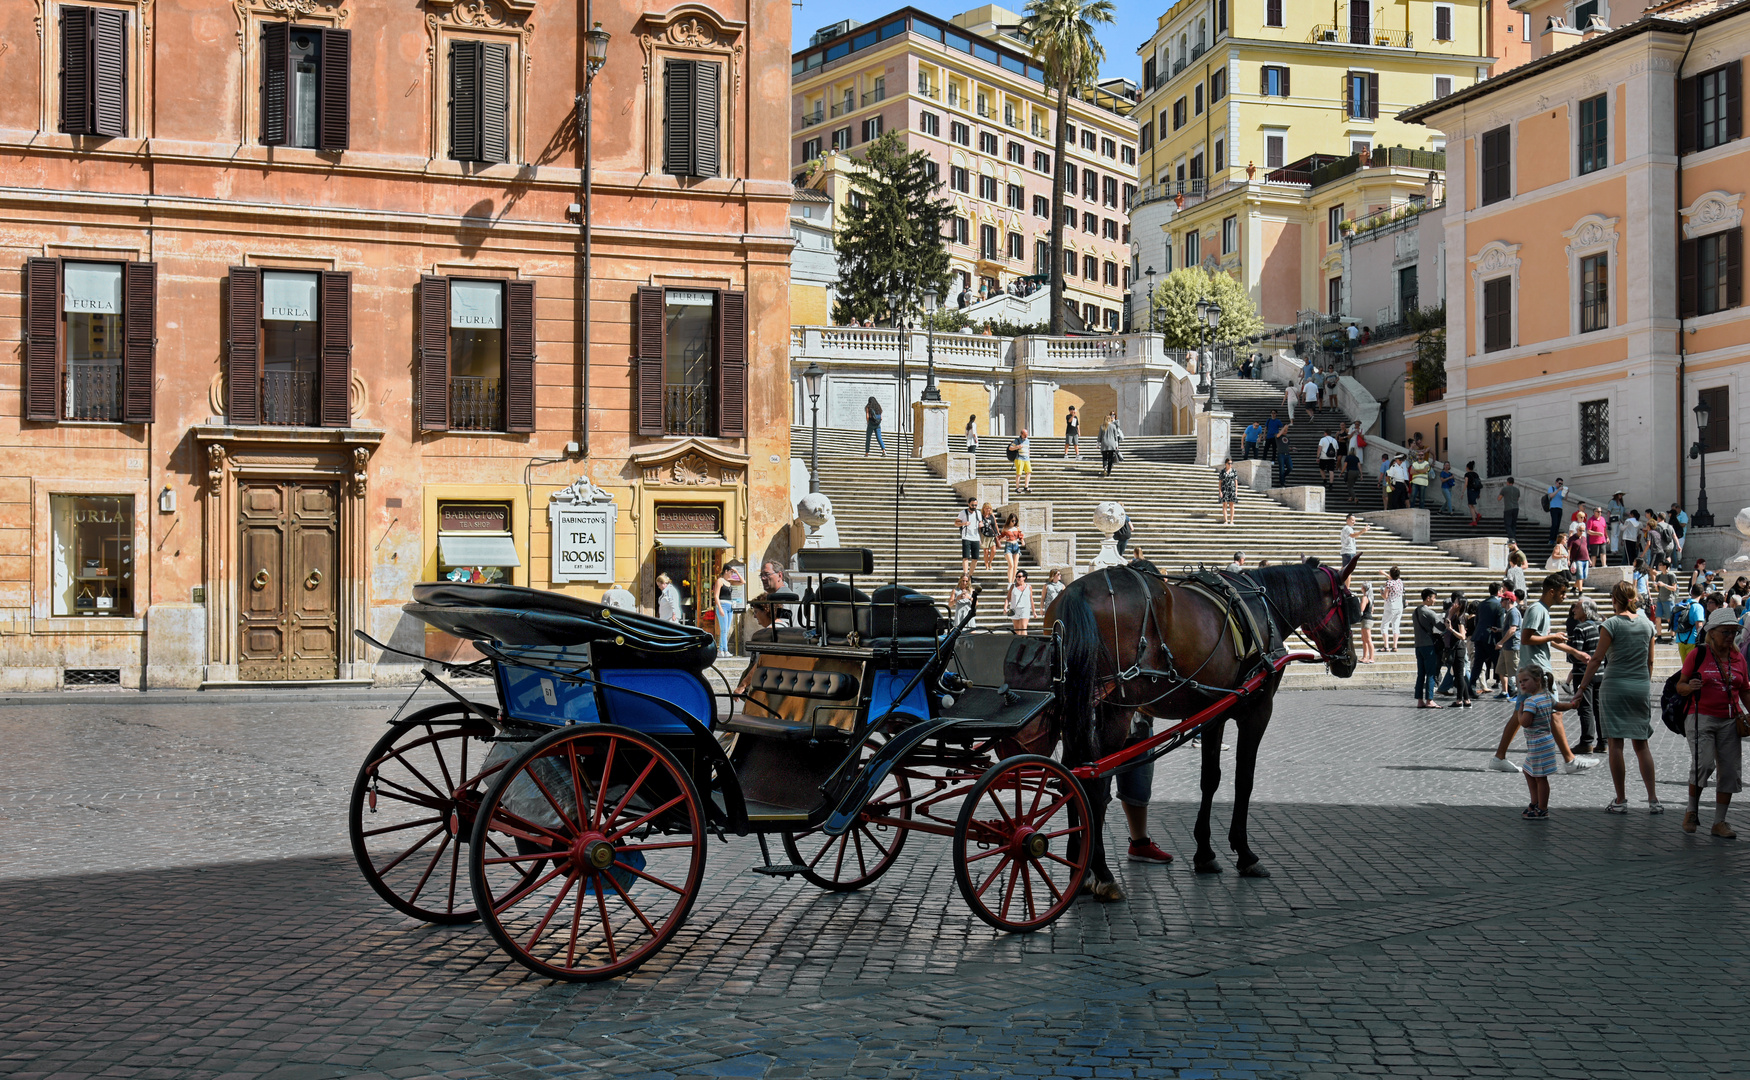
1022,843
863,852
615,832
413,807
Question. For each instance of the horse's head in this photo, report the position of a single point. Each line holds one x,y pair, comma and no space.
1332,634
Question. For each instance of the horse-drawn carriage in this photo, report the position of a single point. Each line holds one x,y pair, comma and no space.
577,805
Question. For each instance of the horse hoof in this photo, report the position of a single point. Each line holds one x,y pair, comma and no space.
1109,892
1254,870
1208,866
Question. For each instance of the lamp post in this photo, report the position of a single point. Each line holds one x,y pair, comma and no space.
930,297
1702,519
1209,315
811,383
596,54
1150,274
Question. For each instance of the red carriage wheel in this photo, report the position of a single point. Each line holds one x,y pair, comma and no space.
863,852
412,810
615,833
1022,844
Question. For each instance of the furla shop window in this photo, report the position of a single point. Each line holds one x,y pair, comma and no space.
289,347
89,341
476,354
93,565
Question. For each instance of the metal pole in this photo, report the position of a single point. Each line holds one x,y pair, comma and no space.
814,444
588,184
1703,518
930,392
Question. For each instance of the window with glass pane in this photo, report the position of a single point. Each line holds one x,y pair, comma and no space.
93,563
1594,293
1497,314
1713,273
1498,445
1594,137
1594,432
689,385
92,301
476,355
1711,110
1716,438
291,358
303,87
1230,235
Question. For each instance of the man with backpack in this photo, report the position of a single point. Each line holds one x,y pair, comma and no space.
1686,622
1327,459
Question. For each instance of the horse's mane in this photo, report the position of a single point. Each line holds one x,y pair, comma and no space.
1293,588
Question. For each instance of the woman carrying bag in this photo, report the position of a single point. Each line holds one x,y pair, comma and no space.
1715,679
872,426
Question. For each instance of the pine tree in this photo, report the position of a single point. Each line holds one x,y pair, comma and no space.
890,244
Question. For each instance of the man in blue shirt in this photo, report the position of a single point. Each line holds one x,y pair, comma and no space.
1679,519
1555,492
1254,432
1271,430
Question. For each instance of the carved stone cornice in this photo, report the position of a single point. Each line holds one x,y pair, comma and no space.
689,463
1713,211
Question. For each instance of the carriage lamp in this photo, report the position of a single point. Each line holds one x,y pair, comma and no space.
930,297
1704,518
811,382
596,42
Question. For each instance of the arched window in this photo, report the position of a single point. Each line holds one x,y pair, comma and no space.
1202,33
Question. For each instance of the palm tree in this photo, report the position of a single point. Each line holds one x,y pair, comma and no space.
1061,35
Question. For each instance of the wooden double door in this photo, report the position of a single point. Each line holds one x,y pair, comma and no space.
288,618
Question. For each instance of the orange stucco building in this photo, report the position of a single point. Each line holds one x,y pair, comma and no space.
1593,255
291,300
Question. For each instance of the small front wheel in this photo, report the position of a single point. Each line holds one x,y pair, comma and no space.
609,835
1022,843
863,852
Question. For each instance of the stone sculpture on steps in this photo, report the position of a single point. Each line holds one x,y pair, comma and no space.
1740,562
1109,517
815,512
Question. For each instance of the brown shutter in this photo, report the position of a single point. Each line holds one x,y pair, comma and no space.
139,340
651,342
243,347
334,113
495,103
1688,278
42,341
1348,93
731,364
335,289
434,353
276,52
1373,95
76,70
708,98
519,355
677,118
1686,114
465,101
109,72
1287,91
1734,242
1734,99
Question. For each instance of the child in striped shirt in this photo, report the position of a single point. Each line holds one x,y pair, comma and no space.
1534,711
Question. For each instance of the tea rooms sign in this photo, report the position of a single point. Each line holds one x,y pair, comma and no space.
582,518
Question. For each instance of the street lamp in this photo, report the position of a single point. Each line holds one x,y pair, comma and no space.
811,382
1209,314
596,43
1150,274
930,298
1703,519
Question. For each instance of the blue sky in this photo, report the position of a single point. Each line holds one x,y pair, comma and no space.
1132,25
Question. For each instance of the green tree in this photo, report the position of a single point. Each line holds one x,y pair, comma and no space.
1061,35
890,245
1175,308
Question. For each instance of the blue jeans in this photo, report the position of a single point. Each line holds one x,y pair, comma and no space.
873,431
1419,494
1427,671
1446,493
725,619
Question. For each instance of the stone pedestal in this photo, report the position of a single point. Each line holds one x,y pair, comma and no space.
1604,578
1214,436
1310,498
929,427
984,489
1254,474
953,467
1485,551
1035,517
1411,524
1054,551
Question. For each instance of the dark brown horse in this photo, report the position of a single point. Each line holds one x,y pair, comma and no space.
1137,642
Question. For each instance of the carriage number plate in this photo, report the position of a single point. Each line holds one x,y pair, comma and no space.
547,694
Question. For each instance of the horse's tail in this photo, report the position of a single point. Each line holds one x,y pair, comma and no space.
1081,661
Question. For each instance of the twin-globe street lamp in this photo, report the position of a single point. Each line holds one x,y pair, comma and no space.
1703,518
1208,318
811,382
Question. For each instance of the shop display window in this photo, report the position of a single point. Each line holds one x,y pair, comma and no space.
475,545
93,538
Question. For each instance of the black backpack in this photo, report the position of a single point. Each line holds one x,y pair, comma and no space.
1014,451
1674,707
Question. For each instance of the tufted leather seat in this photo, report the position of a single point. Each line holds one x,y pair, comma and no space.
796,682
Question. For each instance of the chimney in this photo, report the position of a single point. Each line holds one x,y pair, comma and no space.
1594,27
1558,35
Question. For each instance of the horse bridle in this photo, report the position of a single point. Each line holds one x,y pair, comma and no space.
1341,594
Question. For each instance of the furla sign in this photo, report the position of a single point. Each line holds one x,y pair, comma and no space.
582,518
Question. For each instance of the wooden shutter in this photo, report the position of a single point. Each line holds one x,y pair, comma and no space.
42,339
519,355
109,72
495,103
1734,99
465,101
677,117
139,340
1733,239
434,353
707,92
1373,95
334,95
335,289
1497,314
276,98
1348,93
651,341
1443,23
76,70
1686,122
732,363
243,347
1688,278
1286,90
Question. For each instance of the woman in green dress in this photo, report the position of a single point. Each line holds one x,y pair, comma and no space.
1625,706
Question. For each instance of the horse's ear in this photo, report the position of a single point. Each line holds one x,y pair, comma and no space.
1349,567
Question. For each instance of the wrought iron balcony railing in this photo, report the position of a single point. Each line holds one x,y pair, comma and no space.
476,404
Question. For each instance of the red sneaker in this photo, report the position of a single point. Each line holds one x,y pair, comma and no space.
1145,850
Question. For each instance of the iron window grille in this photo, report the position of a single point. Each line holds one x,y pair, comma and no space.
1595,432
1498,445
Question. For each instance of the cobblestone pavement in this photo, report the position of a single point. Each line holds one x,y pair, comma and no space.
176,901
